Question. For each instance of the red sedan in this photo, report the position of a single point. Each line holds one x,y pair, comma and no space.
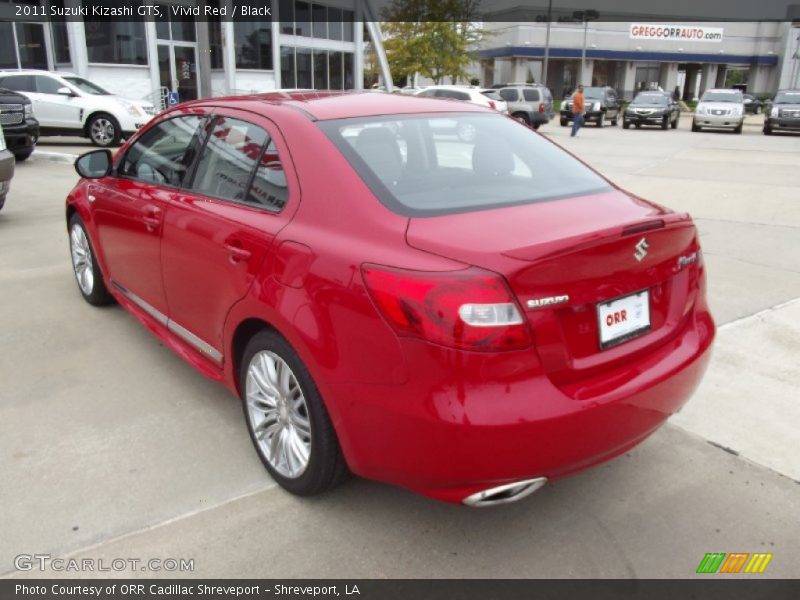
466,316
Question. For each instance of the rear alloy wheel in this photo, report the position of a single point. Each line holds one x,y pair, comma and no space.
84,265
286,418
104,131
523,118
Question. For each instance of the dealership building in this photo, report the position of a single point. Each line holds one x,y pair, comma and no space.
631,56
305,44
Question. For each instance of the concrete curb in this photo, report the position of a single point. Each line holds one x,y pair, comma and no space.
56,157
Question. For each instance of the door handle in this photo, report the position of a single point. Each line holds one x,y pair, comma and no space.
151,218
234,248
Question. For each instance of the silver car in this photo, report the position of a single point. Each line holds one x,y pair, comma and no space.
720,109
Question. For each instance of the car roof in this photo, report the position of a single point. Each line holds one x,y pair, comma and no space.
324,105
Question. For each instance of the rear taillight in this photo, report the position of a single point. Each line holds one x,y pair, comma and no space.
492,105
471,309
541,107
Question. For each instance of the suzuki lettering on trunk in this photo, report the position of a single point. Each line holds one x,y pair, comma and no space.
466,316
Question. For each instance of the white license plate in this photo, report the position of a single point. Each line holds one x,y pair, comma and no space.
623,319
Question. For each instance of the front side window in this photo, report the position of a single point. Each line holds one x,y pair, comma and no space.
47,85
424,165
229,158
509,94
164,153
269,189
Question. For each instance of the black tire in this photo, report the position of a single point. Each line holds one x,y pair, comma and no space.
523,118
601,121
626,124
674,123
2,202
564,122
638,125
766,130
738,129
665,123
695,127
536,126
104,130
23,155
99,294
326,466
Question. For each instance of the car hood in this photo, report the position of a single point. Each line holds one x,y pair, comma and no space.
113,100
719,105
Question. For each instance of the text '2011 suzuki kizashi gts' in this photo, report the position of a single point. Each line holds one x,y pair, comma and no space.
417,291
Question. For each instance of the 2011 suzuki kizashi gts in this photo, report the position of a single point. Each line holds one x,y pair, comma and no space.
466,316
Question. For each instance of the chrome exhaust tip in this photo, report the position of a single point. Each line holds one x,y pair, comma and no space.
504,494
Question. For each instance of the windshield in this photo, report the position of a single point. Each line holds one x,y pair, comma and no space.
650,99
787,98
432,165
87,86
593,92
722,96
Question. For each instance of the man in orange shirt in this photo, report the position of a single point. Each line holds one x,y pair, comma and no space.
578,110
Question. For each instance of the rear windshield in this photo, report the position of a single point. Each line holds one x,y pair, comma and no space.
449,163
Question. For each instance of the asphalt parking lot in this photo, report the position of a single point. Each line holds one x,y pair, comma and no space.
112,447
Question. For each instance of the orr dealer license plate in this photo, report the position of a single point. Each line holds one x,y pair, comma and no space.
623,319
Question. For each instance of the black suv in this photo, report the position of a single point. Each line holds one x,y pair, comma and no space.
20,128
652,108
602,103
782,113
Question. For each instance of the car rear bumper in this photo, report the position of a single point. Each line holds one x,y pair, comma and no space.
465,422
7,162
783,123
722,121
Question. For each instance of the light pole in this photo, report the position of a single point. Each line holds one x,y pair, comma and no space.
547,42
585,16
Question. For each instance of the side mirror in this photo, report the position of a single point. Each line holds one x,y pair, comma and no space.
94,165
65,91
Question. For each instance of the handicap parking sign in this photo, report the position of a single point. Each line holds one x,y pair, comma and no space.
173,99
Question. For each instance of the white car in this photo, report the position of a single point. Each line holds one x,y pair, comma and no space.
472,95
720,109
66,104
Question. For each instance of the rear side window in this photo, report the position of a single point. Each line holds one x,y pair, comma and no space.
530,95
19,83
454,94
425,165
164,152
509,94
229,159
269,189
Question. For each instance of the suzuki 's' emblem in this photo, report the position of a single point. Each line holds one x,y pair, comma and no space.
641,249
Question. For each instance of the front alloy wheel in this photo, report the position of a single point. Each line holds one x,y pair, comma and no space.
104,131
84,265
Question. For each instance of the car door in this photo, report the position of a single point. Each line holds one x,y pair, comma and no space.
52,109
218,231
128,209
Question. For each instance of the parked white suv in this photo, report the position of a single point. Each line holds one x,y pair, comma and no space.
66,104
720,108
467,94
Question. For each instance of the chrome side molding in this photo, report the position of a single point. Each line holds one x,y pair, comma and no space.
187,336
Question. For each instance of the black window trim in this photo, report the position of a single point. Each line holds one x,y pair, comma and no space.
190,169
214,119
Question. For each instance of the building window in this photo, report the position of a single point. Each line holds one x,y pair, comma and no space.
59,37
336,80
288,79
215,42
349,72
302,18
253,45
319,21
8,55
115,42
304,68
286,15
347,25
313,19
320,69
30,41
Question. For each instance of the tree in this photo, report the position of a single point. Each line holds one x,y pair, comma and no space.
431,37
